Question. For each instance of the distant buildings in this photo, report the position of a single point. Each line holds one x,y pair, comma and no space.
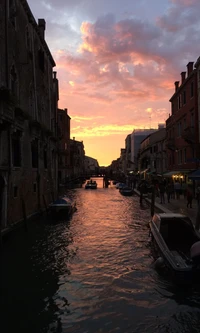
91,166
136,138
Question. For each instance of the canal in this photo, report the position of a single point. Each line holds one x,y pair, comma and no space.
93,274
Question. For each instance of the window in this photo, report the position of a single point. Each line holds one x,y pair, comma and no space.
179,101
192,89
184,155
34,187
15,191
45,157
184,97
41,60
12,12
28,39
192,119
13,81
180,160
16,150
34,153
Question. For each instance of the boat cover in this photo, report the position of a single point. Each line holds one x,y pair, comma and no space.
195,250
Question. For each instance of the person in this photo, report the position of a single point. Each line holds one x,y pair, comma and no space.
189,197
198,195
169,191
162,192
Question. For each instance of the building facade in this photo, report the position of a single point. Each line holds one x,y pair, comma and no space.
28,114
136,138
77,159
91,166
182,129
63,146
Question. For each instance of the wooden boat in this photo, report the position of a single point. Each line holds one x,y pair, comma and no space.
91,184
62,207
178,244
126,191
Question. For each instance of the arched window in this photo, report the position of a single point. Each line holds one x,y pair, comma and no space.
13,81
28,39
31,101
12,12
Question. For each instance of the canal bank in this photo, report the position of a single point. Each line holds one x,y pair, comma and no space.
174,206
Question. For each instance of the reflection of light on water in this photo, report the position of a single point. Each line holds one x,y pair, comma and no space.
95,273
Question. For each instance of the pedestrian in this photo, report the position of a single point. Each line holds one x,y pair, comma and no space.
162,192
169,191
189,197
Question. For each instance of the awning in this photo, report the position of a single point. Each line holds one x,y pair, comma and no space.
171,173
176,172
195,175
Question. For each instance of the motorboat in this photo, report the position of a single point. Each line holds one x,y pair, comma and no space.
178,244
120,185
91,184
126,191
62,207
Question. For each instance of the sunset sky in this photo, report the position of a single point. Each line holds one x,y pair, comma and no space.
117,61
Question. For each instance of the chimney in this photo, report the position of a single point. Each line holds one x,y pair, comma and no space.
42,26
183,74
54,75
176,85
66,110
189,68
73,137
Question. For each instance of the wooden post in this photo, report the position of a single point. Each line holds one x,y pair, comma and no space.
197,222
24,213
153,201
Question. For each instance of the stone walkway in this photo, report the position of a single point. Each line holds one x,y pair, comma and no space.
175,206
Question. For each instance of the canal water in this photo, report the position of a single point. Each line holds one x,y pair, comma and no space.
93,274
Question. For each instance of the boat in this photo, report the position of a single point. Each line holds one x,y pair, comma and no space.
64,207
91,184
126,191
120,185
178,244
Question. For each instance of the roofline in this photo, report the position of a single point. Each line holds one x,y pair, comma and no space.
183,84
35,25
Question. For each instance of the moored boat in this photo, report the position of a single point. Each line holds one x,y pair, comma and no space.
126,191
91,184
178,244
62,207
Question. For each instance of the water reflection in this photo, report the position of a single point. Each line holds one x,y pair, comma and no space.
93,274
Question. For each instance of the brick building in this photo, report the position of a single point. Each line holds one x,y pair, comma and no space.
182,132
64,146
28,111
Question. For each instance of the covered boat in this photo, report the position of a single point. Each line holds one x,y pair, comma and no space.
126,191
91,184
63,206
178,243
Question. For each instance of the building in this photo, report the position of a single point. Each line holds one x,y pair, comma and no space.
182,130
28,111
77,159
136,138
63,146
91,166
152,154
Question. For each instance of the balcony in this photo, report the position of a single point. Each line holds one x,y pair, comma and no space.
188,135
170,144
